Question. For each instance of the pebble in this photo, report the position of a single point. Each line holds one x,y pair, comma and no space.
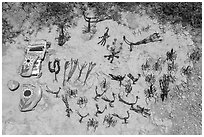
13,85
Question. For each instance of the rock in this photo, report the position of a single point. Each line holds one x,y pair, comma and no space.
86,36
13,85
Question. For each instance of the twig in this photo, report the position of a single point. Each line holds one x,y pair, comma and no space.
73,68
66,65
141,110
110,101
98,95
90,67
127,103
82,117
53,92
83,66
117,78
123,118
68,109
99,111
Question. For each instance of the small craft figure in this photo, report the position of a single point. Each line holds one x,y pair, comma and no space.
55,69
152,38
117,78
112,55
82,117
110,101
82,101
90,67
108,119
144,111
92,123
104,37
68,109
123,118
99,111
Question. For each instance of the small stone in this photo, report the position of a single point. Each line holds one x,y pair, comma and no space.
13,85
86,36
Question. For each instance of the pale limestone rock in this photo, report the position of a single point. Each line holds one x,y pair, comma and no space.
13,85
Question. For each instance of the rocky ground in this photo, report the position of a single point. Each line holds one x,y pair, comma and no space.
180,113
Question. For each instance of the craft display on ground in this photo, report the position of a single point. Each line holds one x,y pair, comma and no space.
115,80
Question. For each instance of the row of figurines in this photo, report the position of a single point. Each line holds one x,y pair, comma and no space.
35,54
33,93
128,88
27,95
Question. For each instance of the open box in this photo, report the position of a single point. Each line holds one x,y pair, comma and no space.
34,55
